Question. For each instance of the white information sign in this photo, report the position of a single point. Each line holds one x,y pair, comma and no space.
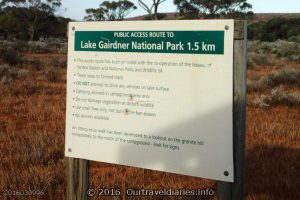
152,94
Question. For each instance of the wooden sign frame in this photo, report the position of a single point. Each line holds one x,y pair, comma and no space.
235,190
78,169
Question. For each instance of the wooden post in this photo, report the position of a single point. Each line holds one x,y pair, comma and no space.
78,174
78,179
235,191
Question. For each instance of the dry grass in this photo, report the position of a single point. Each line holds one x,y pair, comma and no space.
273,153
32,116
273,131
32,125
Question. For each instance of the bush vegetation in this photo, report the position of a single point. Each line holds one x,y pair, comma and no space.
159,16
11,73
49,45
285,76
259,58
51,74
278,96
31,19
259,52
276,28
10,55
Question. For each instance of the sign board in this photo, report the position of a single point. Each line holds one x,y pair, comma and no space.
152,94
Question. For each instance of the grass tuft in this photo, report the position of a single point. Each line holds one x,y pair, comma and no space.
278,97
288,76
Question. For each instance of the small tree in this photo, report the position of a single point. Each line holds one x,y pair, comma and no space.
151,9
235,8
34,13
110,11
214,8
9,24
95,14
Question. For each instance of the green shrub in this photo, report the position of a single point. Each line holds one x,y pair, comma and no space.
59,63
10,56
282,49
278,97
274,29
13,72
254,59
49,45
285,49
8,75
28,87
36,64
159,16
18,45
51,74
257,46
288,76
285,76
294,38
255,30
